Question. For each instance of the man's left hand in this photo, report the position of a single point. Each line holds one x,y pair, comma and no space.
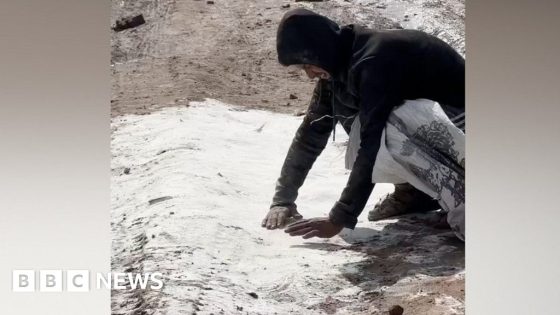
315,227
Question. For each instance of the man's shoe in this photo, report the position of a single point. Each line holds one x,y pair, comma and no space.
405,199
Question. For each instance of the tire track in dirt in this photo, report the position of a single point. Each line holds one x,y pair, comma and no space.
131,260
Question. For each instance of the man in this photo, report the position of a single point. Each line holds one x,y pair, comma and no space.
366,78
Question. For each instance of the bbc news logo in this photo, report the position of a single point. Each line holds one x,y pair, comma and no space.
80,281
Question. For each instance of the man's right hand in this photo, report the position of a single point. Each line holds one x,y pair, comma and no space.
278,216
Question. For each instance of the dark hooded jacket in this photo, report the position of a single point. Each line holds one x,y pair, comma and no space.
372,72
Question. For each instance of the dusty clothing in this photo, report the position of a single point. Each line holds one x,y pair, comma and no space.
372,72
422,146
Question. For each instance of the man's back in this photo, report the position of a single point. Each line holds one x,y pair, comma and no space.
419,65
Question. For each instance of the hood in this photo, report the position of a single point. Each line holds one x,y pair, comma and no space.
305,37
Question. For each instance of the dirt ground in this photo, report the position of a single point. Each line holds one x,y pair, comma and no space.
190,50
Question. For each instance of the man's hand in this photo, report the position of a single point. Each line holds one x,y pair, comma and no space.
278,216
315,227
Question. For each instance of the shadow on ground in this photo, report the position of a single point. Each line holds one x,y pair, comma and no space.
397,249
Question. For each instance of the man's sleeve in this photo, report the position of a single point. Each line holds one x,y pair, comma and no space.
378,90
309,141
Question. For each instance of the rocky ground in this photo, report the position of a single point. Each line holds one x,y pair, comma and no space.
192,210
189,49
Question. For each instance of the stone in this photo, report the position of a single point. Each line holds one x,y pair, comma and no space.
396,310
128,22
253,295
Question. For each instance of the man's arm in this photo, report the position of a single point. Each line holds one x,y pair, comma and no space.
379,94
309,141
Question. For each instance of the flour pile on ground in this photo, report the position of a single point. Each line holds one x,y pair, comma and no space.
190,187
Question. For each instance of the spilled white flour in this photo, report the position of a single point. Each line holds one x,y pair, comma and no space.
190,187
